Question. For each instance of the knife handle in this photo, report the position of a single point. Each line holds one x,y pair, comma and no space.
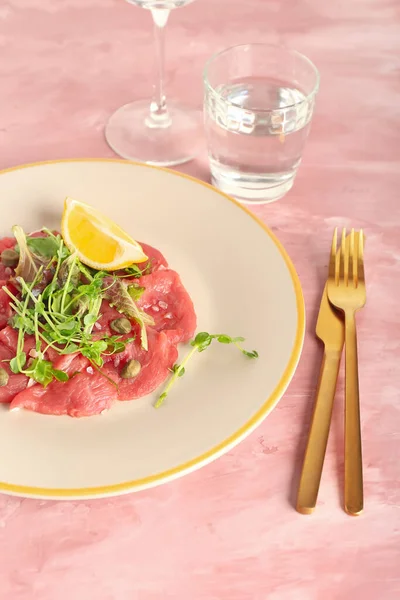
319,431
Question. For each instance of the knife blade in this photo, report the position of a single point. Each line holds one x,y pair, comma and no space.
330,330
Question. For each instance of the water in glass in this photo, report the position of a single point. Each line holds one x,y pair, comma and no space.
246,142
256,125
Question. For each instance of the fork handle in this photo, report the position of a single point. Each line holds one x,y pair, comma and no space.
353,475
319,431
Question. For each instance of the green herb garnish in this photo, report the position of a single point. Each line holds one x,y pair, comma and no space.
43,246
135,291
59,303
199,344
136,271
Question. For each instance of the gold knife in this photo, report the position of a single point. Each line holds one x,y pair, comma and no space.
330,329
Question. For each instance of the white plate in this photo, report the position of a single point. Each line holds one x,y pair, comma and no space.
242,283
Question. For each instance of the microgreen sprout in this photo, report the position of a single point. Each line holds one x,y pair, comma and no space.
199,344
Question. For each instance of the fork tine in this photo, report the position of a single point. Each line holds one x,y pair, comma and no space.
343,260
332,257
352,277
360,257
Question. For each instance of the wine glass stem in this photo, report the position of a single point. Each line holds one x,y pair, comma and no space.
159,116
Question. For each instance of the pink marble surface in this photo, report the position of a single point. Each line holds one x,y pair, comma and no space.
229,531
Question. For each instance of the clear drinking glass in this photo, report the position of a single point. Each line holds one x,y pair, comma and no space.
258,105
154,132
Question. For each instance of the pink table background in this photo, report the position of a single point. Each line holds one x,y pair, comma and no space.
229,531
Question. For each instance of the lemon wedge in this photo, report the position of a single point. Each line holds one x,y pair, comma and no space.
98,241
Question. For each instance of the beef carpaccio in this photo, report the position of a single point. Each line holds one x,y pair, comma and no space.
88,390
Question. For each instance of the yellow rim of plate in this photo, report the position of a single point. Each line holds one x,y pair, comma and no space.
216,451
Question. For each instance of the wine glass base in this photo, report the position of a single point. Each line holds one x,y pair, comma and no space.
129,135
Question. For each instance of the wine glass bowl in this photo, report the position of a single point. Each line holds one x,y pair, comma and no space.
156,132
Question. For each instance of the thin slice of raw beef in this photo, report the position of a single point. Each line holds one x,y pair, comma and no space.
156,259
9,337
6,242
62,362
16,381
86,393
155,362
5,309
155,365
168,302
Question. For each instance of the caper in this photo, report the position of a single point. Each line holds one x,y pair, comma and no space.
121,325
4,377
9,258
131,369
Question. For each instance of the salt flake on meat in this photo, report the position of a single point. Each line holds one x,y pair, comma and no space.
175,307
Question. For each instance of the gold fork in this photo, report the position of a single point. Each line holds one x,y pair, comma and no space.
346,291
